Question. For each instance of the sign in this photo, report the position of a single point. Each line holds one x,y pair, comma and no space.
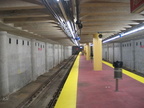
137,6
39,49
142,46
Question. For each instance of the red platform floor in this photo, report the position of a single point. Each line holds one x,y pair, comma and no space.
96,89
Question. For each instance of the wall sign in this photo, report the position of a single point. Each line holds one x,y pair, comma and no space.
137,6
142,46
39,49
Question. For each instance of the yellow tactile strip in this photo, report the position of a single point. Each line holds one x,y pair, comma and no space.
128,73
68,96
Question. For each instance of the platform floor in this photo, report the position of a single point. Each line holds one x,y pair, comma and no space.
96,89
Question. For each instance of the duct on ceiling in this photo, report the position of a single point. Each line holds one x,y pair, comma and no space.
63,11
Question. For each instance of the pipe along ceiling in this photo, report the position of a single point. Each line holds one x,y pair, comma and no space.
66,13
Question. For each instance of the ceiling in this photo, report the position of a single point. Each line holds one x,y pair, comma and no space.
30,18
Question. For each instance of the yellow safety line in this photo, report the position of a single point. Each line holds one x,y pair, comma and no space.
128,73
68,96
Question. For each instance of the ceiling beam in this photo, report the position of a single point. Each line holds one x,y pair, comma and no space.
44,30
34,24
18,5
104,1
119,17
106,26
21,20
106,16
109,23
24,13
105,9
37,27
104,4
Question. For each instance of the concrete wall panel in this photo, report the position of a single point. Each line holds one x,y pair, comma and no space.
50,56
105,52
40,57
56,55
22,60
130,52
19,62
62,53
4,77
139,55
110,55
127,54
117,52
59,54
65,52
69,51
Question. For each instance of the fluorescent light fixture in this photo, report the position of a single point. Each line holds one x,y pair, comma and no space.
76,42
124,34
110,39
69,26
132,31
91,44
57,0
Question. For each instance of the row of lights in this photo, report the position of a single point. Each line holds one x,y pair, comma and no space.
112,38
125,34
68,29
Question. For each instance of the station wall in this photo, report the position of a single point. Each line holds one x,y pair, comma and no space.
22,60
110,50
117,52
139,55
130,52
18,61
67,51
56,56
49,56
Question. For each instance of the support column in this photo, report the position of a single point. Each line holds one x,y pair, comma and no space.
4,79
87,51
97,53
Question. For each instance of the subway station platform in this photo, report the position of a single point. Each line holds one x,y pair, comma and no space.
86,88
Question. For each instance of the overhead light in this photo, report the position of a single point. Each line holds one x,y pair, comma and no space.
125,33
70,28
76,43
132,31
61,14
110,39
91,44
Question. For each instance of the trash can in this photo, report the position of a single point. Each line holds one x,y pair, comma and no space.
118,69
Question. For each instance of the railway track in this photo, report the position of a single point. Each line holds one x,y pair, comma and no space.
46,96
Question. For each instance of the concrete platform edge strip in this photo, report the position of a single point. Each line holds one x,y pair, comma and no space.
68,95
128,73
